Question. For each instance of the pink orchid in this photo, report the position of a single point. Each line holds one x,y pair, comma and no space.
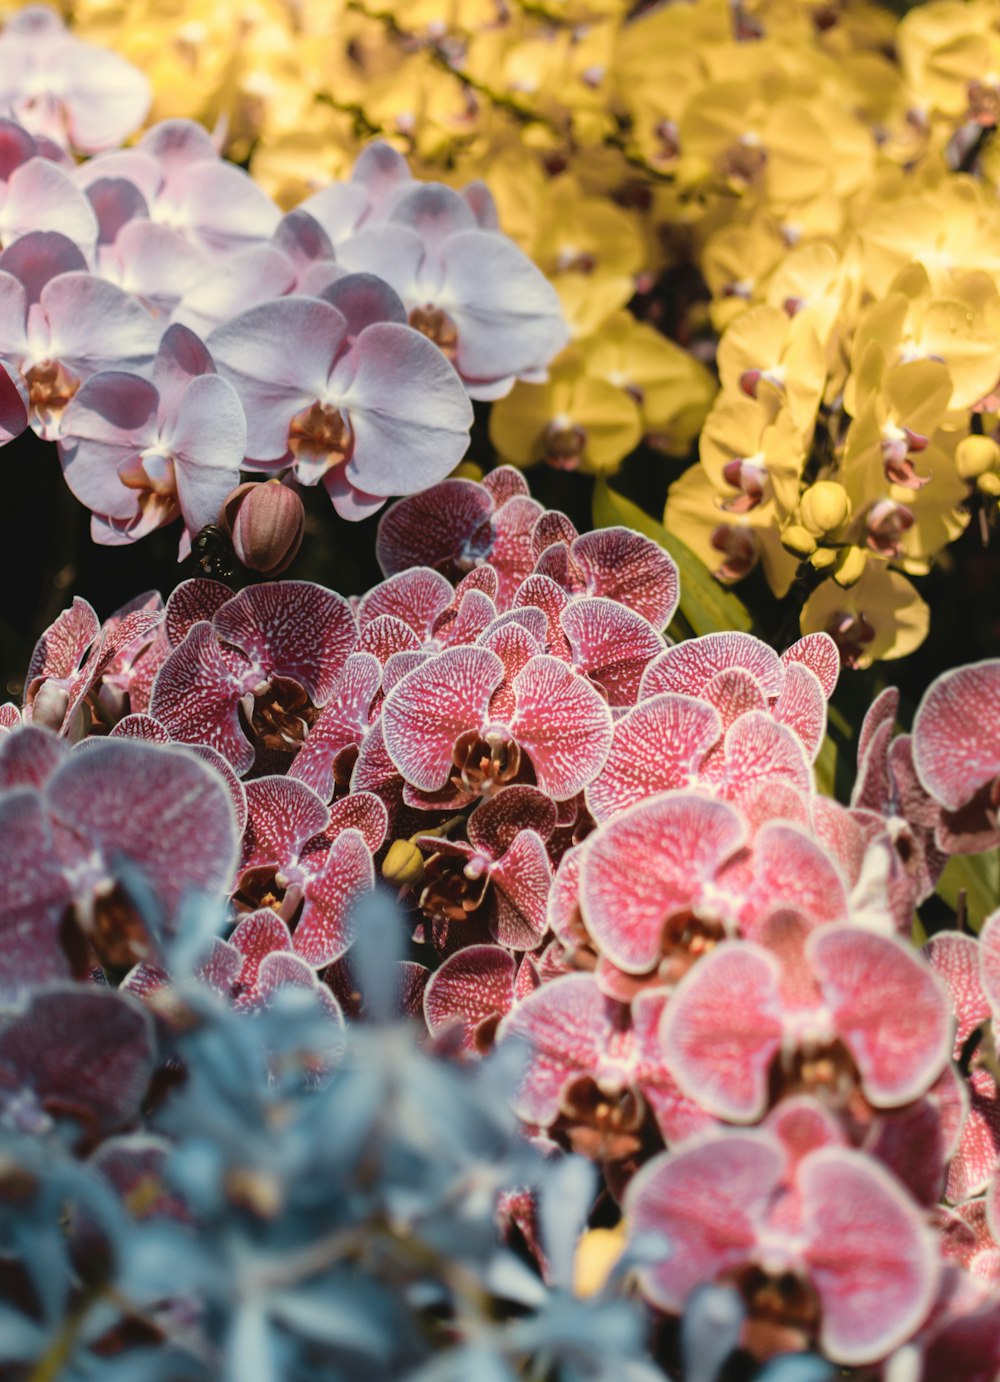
185,185
78,1053
956,752
268,963
156,808
64,682
74,92
59,324
466,722
275,651
829,988
469,289
309,862
502,874
375,415
963,964
829,1217
476,988
460,525
432,613
38,193
616,563
139,453
594,1065
326,760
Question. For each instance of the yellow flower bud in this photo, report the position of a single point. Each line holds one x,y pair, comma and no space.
467,470
798,541
974,456
404,864
596,1254
824,507
850,567
989,484
823,557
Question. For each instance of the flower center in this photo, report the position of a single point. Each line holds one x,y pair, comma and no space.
437,326
50,388
319,437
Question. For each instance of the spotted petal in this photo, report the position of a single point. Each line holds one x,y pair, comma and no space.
648,864
686,667
659,745
722,1029
563,724
325,930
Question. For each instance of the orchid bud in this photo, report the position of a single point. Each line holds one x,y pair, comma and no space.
823,557
467,470
974,456
404,864
989,484
266,522
824,507
798,541
851,565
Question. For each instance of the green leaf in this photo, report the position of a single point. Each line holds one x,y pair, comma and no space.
979,876
706,606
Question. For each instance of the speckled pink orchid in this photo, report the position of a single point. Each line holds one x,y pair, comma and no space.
274,652
59,324
78,1053
419,609
828,1001
326,760
963,963
616,563
665,880
140,453
268,963
595,1065
64,682
502,873
308,862
367,416
74,92
467,288
827,1228
956,752
474,989
468,720
460,525
156,808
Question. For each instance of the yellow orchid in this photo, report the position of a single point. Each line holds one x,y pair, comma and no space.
880,616
730,545
752,452
573,422
673,390
765,343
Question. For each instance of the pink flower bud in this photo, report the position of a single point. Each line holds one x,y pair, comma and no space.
265,521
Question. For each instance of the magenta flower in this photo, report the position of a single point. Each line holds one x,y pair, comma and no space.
139,453
59,324
614,562
460,525
965,966
830,1216
268,963
594,1067
475,988
276,650
74,1052
379,414
326,760
956,752
502,874
155,808
466,722
64,682
309,862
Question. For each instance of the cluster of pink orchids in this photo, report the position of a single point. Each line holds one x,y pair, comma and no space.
611,849
167,326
